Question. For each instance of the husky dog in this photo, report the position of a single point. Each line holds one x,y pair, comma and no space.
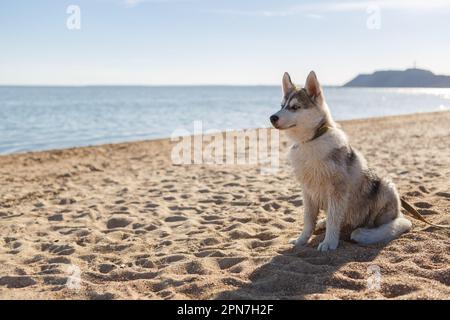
334,176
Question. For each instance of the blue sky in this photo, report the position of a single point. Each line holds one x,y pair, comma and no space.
217,41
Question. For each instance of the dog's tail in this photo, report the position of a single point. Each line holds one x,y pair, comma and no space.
415,214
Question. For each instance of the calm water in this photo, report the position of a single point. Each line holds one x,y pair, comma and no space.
42,118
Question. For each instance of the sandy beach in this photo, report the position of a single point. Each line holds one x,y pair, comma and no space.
122,222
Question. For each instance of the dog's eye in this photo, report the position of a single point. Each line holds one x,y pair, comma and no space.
296,107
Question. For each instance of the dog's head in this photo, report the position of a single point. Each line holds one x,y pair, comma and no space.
301,108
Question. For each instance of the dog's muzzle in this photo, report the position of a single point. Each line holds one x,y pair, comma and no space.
274,119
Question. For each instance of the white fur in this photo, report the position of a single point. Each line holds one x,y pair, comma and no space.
335,177
384,233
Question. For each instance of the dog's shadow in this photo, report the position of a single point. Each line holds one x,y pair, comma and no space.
305,273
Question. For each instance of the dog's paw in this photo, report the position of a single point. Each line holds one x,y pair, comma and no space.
327,245
300,241
321,224
361,236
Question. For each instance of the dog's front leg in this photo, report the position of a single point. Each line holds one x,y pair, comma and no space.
310,218
333,225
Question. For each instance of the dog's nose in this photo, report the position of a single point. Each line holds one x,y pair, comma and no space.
274,119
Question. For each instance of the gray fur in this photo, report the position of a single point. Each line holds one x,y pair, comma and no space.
301,99
335,177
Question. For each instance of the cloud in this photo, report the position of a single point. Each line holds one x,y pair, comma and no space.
313,9
131,3
134,3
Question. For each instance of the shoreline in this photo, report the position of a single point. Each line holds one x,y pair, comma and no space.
120,221
349,121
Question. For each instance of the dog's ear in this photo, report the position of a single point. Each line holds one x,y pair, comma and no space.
287,84
312,85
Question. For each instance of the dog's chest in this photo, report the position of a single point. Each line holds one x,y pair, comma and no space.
310,168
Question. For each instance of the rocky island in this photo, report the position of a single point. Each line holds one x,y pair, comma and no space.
401,78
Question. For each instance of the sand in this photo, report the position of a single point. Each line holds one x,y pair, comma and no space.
121,222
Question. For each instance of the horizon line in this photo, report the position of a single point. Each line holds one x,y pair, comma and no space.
151,85
203,84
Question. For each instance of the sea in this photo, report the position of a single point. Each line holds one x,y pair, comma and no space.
46,118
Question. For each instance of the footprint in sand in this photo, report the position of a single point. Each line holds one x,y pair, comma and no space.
151,227
66,201
137,226
296,203
145,263
50,269
209,253
267,235
121,275
196,267
118,223
260,244
423,205
211,217
232,184
397,290
101,296
106,267
60,250
56,217
426,212
16,281
173,258
239,234
55,281
354,274
175,219
263,221
414,193
39,204
210,242
59,260
443,194
226,263
241,203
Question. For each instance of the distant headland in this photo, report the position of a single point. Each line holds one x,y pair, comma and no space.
401,78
